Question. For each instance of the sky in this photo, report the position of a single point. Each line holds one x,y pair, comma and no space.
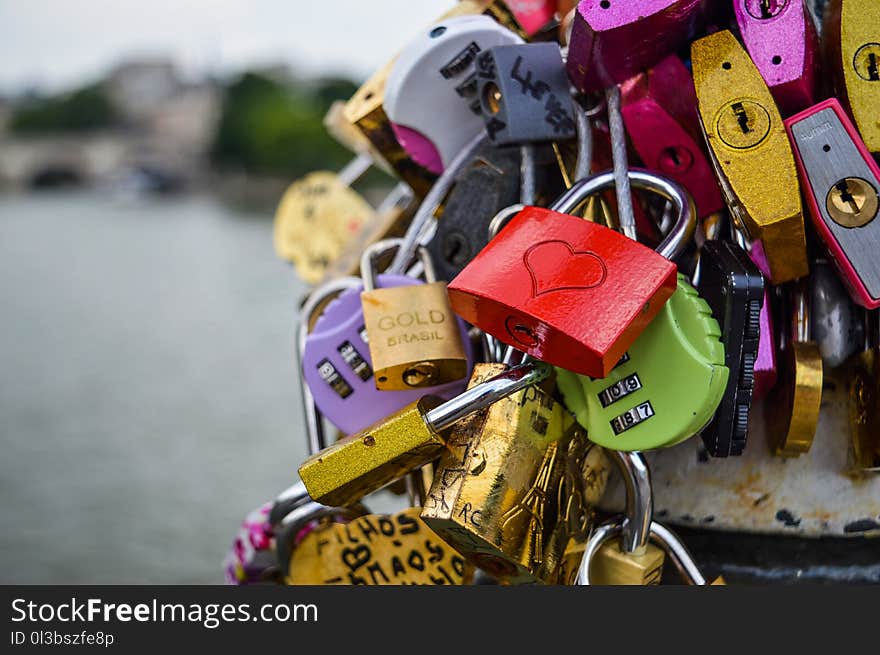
58,44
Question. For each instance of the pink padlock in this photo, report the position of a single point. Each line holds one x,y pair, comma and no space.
840,182
612,40
532,15
782,41
660,113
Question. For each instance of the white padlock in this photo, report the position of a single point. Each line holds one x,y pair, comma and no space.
431,93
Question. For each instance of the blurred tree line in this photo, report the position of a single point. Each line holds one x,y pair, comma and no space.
266,127
88,108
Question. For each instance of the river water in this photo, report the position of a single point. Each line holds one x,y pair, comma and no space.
148,398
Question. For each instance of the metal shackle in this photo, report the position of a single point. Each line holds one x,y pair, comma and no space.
487,393
639,508
662,536
379,248
681,233
316,300
299,518
421,229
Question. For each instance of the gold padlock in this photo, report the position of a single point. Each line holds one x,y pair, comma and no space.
318,216
751,152
791,410
377,550
415,338
348,470
632,559
851,37
510,490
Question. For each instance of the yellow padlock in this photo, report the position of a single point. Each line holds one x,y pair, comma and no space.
851,37
751,152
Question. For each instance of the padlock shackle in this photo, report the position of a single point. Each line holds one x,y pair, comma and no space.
299,518
487,393
802,315
639,512
662,536
681,233
288,500
355,169
681,557
420,228
314,426
369,256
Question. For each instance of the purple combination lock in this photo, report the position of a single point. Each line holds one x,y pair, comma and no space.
339,372
783,43
612,40
765,362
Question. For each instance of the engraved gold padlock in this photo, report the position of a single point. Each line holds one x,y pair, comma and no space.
511,489
415,339
376,549
365,462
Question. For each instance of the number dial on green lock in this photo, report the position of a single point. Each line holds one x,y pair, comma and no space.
664,390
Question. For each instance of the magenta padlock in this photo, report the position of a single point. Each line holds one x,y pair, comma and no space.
659,110
339,372
783,42
612,40
765,361
532,15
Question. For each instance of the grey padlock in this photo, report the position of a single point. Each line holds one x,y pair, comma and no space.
524,94
490,183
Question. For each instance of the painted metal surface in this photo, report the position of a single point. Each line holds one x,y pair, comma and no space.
814,495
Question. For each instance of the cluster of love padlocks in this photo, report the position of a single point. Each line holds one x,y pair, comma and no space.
565,324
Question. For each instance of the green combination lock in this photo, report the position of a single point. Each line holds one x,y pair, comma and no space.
665,389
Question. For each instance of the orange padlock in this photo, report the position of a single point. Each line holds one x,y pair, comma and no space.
570,292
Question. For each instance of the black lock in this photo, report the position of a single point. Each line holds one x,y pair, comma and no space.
487,185
734,288
524,94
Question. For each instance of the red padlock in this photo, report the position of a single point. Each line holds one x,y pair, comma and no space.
569,292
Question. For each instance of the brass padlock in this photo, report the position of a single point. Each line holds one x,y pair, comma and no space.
415,339
376,550
365,462
632,559
515,484
667,541
751,152
791,410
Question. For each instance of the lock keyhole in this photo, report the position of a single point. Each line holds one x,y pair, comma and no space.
742,117
867,62
852,202
847,197
765,9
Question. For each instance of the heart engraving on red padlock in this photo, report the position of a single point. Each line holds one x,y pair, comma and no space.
556,266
